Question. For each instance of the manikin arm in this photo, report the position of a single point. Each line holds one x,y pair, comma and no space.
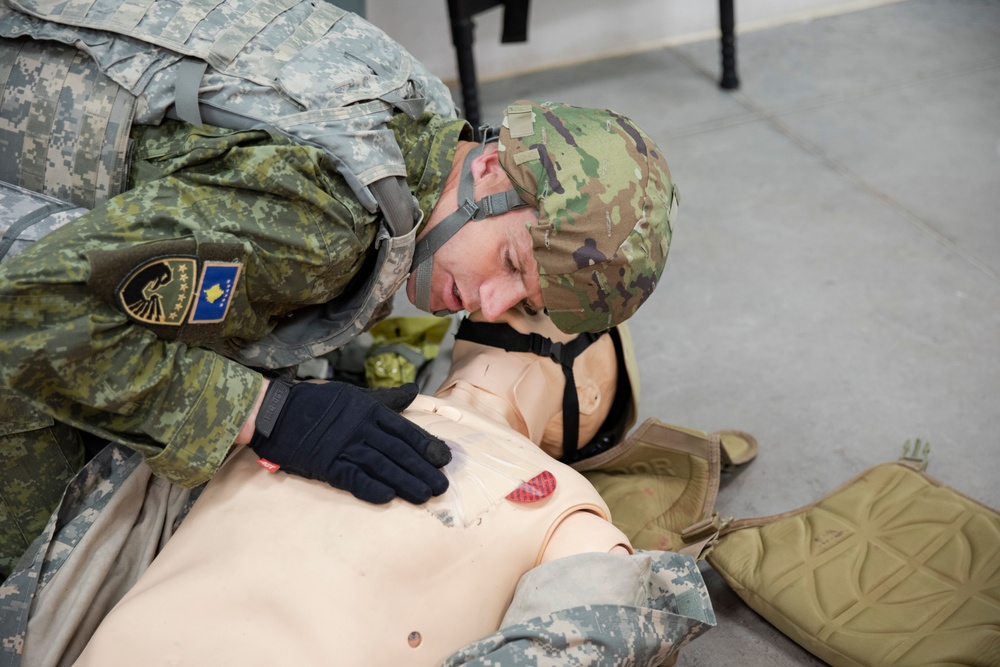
598,608
585,532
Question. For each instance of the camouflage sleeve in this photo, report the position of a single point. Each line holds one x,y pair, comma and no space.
111,323
87,365
598,609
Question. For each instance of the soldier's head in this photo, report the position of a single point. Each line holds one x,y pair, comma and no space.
584,207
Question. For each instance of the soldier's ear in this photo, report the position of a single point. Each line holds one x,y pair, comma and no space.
486,168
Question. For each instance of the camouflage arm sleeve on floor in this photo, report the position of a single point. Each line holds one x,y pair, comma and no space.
70,342
611,609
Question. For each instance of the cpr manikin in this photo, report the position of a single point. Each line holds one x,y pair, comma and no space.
525,390
275,569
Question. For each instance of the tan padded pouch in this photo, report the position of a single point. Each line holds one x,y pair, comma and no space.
658,483
893,568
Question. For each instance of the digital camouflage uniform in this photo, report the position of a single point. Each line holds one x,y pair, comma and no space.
165,390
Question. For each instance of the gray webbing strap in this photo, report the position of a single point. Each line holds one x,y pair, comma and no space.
397,203
468,209
499,203
422,289
18,227
443,231
189,75
423,254
412,107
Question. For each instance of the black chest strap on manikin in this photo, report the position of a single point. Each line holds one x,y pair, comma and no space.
506,337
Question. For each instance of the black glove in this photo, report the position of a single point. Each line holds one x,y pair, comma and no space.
351,438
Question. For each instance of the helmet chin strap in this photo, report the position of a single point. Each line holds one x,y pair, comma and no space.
468,209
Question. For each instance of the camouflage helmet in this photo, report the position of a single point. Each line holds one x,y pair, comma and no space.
606,206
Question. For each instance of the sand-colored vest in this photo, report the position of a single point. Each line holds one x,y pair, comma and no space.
272,569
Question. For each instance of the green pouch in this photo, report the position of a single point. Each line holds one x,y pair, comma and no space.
893,568
661,483
401,347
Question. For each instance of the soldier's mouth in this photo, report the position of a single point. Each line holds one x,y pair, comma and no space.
457,305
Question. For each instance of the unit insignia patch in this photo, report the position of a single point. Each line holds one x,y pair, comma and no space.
159,291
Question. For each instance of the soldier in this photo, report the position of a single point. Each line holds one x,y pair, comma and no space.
163,318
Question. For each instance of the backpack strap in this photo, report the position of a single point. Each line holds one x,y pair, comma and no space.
27,216
397,204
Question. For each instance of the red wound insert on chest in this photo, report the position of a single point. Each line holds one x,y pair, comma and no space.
540,486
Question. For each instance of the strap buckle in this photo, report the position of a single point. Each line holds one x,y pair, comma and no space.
915,454
700,538
470,208
545,347
702,529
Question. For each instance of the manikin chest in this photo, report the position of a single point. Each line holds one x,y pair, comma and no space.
274,569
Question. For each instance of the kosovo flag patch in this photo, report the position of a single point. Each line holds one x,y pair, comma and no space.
215,291
159,290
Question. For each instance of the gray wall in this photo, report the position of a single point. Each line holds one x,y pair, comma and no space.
564,32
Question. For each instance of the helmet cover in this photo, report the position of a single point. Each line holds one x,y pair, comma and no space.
606,206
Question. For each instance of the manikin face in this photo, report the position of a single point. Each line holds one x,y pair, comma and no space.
525,390
488,265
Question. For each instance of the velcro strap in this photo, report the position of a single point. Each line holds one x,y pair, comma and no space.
274,400
520,120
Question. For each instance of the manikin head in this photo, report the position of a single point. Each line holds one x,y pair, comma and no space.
525,390
578,206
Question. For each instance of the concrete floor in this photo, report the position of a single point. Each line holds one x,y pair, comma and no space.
833,286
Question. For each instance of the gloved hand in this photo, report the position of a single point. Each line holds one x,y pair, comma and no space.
351,438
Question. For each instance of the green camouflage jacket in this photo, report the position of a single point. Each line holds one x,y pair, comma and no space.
108,325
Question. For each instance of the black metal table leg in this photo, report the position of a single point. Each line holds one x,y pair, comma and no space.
727,24
461,13
462,27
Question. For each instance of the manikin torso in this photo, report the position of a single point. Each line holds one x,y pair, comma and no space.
274,569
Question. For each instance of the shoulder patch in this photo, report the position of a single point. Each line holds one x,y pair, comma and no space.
159,291
215,290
